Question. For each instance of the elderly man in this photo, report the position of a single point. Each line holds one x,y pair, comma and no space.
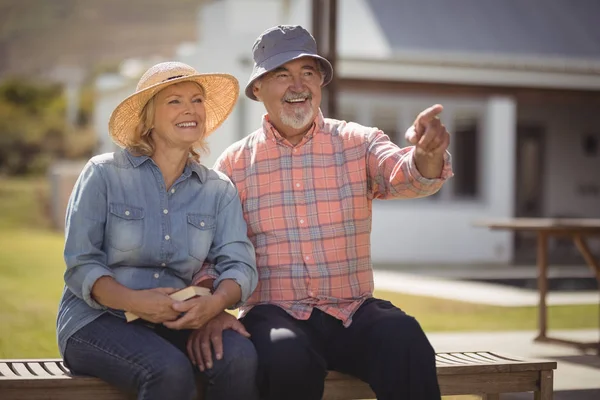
306,184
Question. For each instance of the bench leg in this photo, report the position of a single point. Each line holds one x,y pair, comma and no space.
491,396
546,386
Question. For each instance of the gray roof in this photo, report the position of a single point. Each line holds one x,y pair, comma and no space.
556,28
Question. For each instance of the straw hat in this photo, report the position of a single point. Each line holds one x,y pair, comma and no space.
221,92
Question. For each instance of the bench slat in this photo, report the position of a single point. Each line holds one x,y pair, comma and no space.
21,369
447,359
53,368
5,371
37,369
458,373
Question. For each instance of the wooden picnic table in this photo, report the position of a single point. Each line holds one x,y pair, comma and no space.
578,229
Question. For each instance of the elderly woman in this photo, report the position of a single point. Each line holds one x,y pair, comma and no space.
141,223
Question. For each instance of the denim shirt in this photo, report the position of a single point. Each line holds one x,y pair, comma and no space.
122,222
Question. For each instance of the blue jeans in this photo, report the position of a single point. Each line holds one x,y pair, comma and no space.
152,361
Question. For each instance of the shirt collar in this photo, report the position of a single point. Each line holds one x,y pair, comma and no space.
195,168
190,168
272,134
136,161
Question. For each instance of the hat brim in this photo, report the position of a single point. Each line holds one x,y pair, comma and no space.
221,92
277,61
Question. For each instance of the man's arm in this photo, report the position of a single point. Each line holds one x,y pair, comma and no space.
409,172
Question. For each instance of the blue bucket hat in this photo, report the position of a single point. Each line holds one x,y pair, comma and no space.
279,45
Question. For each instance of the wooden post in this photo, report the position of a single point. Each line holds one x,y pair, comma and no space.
546,386
324,29
542,264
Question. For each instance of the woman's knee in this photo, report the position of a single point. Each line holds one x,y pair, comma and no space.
239,357
173,377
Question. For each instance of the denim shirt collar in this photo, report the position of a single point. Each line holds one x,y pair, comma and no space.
191,167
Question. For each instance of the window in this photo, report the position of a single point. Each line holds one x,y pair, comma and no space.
465,158
385,118
347,112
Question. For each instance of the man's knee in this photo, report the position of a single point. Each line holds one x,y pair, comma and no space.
402,333
291,358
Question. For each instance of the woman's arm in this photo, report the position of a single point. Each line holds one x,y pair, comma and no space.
153,305
84,235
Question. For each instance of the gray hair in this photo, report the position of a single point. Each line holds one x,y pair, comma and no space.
258,83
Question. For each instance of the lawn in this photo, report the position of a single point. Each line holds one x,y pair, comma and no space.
31,269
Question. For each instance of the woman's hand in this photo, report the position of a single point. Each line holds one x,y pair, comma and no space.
198,311
154,305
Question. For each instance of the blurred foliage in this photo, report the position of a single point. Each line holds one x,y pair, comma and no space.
33,129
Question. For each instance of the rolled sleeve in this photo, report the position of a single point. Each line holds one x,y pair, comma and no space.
89,280
232,253
243,279
446,170
392,171
84,234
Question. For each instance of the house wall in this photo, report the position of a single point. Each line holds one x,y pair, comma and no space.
571,179
571,184
440,230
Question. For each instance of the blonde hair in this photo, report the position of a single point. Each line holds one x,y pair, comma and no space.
141,142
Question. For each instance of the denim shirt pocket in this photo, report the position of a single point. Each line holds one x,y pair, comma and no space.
125,226
201,230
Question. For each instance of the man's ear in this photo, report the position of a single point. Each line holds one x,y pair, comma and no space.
256,92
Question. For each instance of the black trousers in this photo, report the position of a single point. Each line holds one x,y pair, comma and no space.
383,346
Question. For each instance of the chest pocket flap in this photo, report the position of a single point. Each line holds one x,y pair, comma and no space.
200,234
125,227
126,211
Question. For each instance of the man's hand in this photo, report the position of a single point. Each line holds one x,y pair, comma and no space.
431,140
154,305
203,340
198,311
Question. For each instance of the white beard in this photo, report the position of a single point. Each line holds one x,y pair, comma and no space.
298,119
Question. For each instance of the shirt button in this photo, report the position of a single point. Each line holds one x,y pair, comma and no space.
301,221
127,212
295,150
156,275
202,223
163,265
307,258
311,293
165,211
297,185
167,237
172,190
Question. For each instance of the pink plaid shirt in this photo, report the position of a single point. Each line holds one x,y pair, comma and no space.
308,210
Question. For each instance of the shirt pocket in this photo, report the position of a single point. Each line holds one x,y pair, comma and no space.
201,231
126,226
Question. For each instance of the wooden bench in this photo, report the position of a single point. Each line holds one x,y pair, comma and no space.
481,373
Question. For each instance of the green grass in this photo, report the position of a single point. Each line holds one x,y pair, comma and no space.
24,204
445,315
31,269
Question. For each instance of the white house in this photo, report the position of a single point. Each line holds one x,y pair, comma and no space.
519,80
